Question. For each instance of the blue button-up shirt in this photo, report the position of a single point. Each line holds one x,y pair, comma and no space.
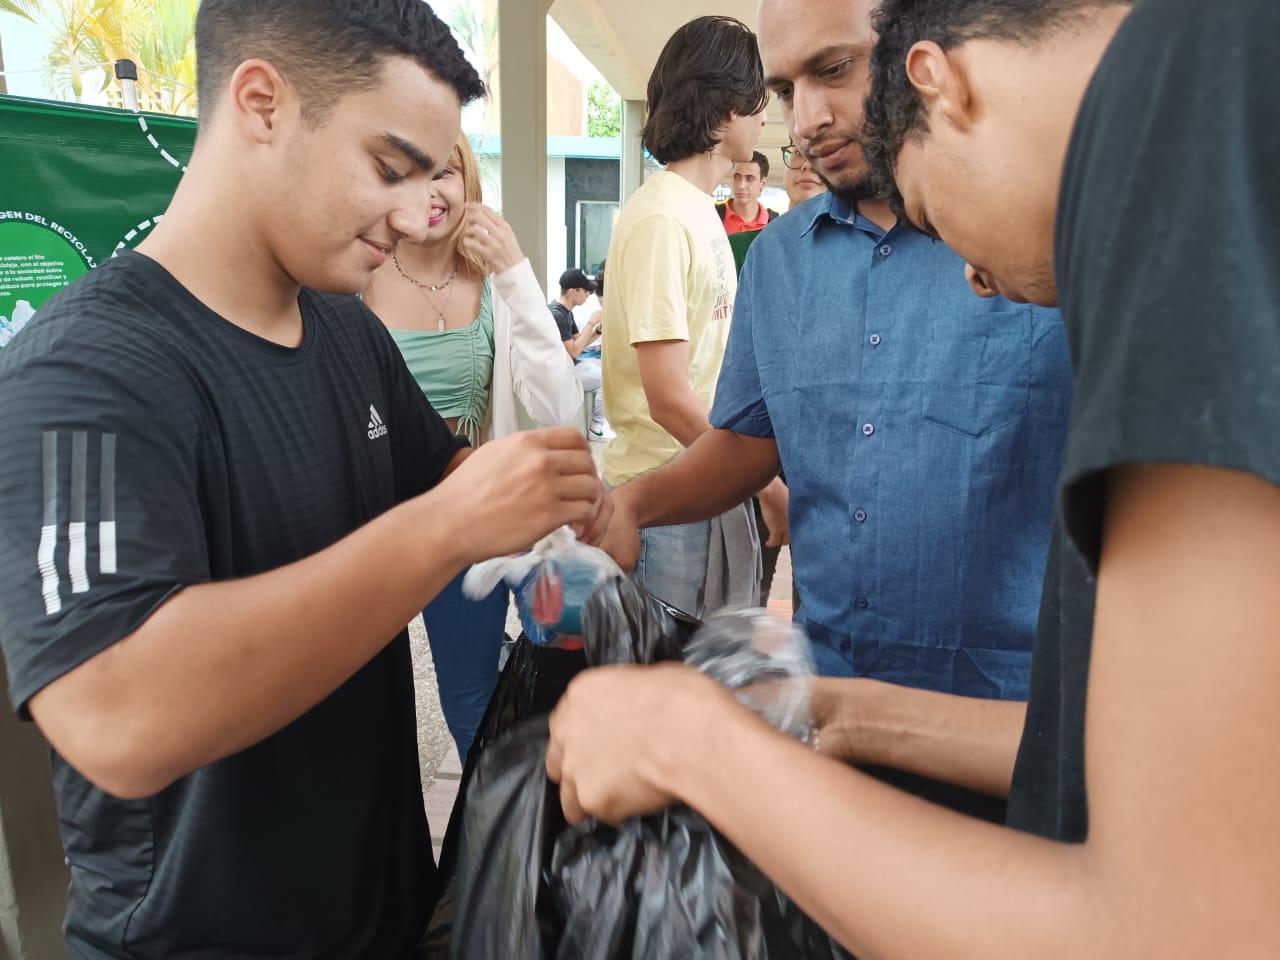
920,429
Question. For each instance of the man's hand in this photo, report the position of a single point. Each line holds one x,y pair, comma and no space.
594,532
616,732
513,491
774,500
620,538
831,701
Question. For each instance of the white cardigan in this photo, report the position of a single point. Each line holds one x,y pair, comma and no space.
532,371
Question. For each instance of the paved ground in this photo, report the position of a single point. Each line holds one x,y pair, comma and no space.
437,755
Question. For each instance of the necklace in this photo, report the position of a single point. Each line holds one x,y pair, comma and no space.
423,289
433,287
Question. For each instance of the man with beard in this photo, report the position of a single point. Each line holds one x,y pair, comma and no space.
920,431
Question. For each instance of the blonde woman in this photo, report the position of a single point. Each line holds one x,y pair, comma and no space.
470,319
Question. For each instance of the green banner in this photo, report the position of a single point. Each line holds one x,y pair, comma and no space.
77,184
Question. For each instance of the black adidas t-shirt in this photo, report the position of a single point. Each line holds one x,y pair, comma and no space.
147,445
1167,262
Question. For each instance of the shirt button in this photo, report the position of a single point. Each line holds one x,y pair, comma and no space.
868,429
860,516
885,250
874,339
860,603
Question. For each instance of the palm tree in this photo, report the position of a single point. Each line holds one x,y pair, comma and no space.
477,33
158,35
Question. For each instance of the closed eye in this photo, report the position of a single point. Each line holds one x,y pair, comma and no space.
389,175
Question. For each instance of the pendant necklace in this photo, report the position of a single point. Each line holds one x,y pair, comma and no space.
422,288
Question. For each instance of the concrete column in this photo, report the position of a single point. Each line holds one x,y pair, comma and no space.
522,62
33,873
632,166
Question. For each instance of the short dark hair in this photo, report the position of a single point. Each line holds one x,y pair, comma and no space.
709,70
761,161
325,48
894,111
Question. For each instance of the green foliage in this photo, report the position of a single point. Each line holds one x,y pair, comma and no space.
477,34
604,111
157,35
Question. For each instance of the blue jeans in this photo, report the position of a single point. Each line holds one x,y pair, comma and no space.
673,564
466,639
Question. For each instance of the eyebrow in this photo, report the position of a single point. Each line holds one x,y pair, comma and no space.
823,57
409,150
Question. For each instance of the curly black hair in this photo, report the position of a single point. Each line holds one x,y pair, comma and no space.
325,48
709,70
894,111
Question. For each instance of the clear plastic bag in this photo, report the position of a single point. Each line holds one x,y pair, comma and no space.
764,659
551,583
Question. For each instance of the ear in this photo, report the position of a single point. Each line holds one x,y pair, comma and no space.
942,83
261,99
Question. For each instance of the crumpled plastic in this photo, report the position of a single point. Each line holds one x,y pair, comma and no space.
528,885
552,582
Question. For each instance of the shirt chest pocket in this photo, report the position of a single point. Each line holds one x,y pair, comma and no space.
976,371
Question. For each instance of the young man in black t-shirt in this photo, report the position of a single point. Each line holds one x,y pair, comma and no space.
222,497
1123,164
575,289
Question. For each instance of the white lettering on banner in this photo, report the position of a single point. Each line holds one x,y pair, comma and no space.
36,219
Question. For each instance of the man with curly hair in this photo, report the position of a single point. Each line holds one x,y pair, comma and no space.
1121,162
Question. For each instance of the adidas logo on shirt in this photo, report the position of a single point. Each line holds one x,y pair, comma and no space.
376,427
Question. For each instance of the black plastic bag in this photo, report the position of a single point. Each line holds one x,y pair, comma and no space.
529,886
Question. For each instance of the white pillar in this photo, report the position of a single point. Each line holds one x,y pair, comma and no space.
522,53
632,166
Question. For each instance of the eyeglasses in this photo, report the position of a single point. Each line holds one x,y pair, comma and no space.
792,157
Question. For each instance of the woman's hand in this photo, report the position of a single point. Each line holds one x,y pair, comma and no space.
490,238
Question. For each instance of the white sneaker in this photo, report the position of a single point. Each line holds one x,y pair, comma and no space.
600,430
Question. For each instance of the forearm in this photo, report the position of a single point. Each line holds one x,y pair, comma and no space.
696,485
682,414
220,666
845,846
966,741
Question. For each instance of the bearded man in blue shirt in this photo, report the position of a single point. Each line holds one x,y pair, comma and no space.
920,430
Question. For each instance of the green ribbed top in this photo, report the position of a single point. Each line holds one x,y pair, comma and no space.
455,367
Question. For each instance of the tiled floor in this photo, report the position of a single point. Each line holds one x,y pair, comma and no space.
439,795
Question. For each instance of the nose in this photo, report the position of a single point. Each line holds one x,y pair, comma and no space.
978,284
810,111
412,213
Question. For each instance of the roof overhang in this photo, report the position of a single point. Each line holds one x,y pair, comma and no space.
622,39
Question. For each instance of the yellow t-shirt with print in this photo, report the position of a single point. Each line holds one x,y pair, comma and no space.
671,277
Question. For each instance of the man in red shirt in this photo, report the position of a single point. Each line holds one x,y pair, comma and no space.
744,212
